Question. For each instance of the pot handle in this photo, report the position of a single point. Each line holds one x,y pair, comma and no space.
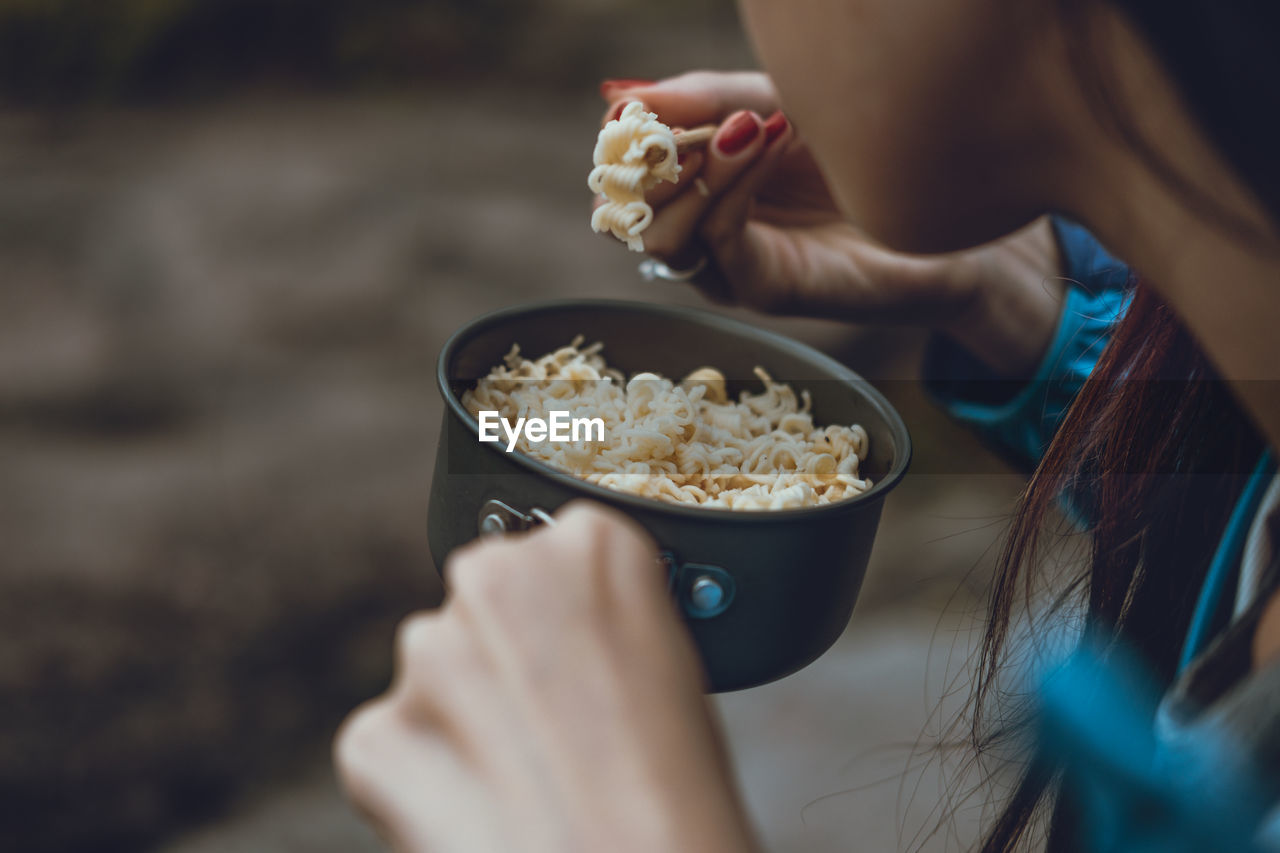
497,517
702,591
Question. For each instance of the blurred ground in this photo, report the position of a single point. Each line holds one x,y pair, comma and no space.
218,326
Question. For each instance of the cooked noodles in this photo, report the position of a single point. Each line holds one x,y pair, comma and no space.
633,153
683,442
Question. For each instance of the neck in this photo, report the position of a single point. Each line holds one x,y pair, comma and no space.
1224,284
1225,296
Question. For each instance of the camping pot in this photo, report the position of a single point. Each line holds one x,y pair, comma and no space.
764,593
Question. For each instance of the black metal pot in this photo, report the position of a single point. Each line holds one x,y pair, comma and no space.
764,593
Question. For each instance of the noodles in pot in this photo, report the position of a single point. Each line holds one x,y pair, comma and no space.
684,442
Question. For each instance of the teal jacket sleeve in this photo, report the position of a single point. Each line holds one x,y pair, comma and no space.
1021,417
1126,790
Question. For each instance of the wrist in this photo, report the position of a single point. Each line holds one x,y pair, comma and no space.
1015,296
1008,333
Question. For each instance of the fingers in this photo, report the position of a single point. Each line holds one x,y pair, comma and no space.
724,229
359,748
697,97
579,521
557,668
594,571
690,170
736,101
592,550
713,214
670,237
611,540
690,166
395,772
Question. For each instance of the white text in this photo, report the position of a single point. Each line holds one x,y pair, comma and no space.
558,427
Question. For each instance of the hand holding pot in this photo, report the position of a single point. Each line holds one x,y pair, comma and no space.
553,703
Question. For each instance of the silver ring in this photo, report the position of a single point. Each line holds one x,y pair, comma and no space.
652,269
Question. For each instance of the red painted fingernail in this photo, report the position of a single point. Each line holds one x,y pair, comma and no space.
737,134
610,86
774,127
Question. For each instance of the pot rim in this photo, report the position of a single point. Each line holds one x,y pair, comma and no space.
835,369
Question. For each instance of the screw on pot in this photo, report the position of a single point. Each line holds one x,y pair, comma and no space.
706,594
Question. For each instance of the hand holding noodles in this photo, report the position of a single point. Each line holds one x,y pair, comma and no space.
683,443
633,153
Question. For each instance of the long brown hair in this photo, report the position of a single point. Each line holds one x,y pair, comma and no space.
1155,448
1152,451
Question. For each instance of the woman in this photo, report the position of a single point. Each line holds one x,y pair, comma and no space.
554,702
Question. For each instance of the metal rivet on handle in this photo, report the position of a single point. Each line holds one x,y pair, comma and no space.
705,591
493,524
706,594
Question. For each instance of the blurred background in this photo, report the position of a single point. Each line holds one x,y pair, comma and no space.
233,236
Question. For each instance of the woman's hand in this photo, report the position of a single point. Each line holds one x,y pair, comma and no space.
554,703
756,202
